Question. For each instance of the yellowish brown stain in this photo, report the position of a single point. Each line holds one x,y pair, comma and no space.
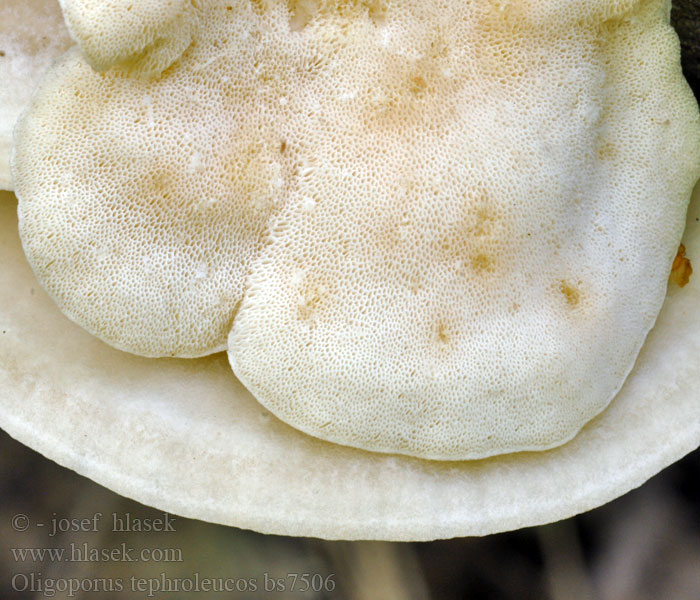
484,219
681,270
418,84
482,262
571,293
479,220
162,181
607,150
409,92
301,13
443,334
415,283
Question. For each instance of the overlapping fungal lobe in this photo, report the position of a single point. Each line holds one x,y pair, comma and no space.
32,34
153,193
149,204
486,235
143,37
441,229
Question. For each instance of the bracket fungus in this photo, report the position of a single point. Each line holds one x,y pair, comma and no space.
433,237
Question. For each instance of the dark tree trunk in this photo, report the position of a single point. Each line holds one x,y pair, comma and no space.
685,17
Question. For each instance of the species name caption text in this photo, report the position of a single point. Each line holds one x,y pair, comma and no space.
72,587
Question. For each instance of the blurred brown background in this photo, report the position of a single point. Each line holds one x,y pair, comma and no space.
645,545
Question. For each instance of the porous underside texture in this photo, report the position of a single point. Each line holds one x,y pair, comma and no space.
443,229
32,34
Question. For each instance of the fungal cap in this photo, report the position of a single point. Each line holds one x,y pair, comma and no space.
184,437
491,236
432,220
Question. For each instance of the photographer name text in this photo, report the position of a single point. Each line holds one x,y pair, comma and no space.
116,522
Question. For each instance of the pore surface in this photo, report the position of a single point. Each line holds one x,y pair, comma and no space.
186,437
483,237
448,225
